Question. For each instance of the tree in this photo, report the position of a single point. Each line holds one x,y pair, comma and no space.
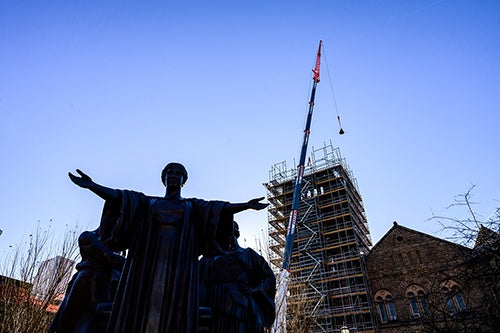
33,279
474,304
465,231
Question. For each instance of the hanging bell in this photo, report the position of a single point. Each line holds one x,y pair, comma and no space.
341,132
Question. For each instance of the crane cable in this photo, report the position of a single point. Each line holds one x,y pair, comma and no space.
341,130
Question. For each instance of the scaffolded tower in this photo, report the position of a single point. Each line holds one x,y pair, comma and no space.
328,288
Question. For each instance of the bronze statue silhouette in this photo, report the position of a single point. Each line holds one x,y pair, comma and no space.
238,286
158,291
94,283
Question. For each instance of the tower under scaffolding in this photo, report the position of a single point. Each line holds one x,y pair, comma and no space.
328,286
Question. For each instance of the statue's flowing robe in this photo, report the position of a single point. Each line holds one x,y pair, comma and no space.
158,289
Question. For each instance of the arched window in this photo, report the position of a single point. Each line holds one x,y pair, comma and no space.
382,309
453,297
391,308
422,297
415,310
385,306
417,298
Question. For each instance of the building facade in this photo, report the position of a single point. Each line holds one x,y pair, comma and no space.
52,277
328,286
421,283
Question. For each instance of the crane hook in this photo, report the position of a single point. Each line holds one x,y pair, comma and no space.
341,132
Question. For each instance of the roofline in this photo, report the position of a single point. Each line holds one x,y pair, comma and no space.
396,225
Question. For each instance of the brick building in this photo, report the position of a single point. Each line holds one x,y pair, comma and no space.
408,282
421,283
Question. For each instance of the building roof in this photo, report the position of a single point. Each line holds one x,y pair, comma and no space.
397,226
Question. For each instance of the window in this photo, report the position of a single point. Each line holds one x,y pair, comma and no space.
385,306
392,308
410,258
459,300
417,298
451,306
453,297
419,257
401,260
415,311
382,310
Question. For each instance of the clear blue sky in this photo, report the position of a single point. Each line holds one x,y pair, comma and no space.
120,88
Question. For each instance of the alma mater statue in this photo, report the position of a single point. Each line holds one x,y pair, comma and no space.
158,290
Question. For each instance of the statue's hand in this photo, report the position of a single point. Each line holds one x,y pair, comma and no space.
83,181
256,204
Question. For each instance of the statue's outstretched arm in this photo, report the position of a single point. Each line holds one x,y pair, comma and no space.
84,181
255,204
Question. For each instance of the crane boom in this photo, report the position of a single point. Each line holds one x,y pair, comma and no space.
290,235
280,322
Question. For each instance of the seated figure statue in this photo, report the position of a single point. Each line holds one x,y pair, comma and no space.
94,283
239,287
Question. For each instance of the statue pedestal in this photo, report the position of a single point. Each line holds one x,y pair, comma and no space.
103,312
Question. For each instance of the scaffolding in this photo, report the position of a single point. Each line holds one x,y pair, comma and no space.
328,286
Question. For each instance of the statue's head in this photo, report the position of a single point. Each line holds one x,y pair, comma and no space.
236,230
227,234
174,166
